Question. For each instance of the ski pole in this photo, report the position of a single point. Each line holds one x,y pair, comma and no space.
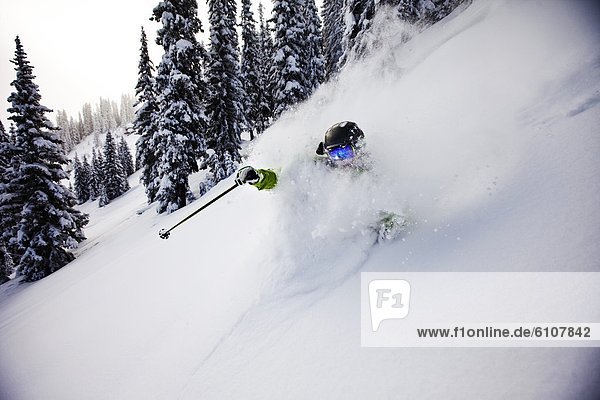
164,234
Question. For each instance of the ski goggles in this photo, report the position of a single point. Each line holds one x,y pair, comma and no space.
344,152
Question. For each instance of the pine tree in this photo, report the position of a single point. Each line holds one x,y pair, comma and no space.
179,140
250,68
73,136
103,198
88,123
97,168
80,128
266,54
224,105
314,38
8,158
409,10
47,222
359,14
265,35
125,157
81,181
90,175
290,83
6,154
6,263
64,130
107,115
432,11
333,30
116,114
145,121
126,109
97,126
115,180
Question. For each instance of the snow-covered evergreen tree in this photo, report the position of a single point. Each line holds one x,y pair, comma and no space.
290,64
64,130
97,168
97,125
88,123
6,153
265,36
127,110
125,157
90,175
145,121
47,223
81,181
103,198
333,31
358,16
116,113
431,11
107,115
115,179
250,67
179,140
74,135
9,157
80,128
408,10
6,263
266,54
225,103
314,38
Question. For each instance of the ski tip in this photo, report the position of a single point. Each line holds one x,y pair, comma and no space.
164,234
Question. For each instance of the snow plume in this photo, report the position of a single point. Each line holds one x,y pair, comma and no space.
429,132
321,223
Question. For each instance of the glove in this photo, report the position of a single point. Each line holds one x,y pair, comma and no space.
247,175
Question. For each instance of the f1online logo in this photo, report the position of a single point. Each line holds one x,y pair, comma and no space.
388,299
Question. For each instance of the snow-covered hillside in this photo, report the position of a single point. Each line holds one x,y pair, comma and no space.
484,128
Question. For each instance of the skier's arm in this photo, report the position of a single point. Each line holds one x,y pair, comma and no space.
262,179
268,179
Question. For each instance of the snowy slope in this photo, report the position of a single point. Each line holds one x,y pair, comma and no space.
484,128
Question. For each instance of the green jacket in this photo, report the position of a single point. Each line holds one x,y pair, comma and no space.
268,179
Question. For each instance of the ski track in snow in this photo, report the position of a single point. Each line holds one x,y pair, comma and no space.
309,298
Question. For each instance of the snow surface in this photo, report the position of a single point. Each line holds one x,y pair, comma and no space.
484,128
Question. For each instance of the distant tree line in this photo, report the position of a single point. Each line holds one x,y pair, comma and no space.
105,116
104,177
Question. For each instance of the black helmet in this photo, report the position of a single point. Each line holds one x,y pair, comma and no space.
340,134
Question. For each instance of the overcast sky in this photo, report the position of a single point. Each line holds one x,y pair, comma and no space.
80,49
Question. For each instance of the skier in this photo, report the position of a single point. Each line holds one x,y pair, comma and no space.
343,146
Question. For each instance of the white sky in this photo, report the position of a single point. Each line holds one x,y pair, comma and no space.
80,49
